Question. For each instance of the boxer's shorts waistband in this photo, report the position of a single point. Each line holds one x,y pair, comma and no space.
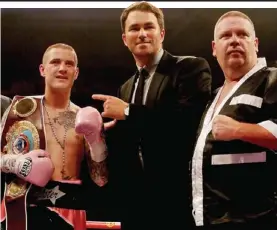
57,194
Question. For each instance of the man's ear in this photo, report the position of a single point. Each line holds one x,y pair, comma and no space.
256,42
41,70
162,34
76,73
124,39
214,48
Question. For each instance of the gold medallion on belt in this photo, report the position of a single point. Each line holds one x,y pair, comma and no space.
22,137
25,107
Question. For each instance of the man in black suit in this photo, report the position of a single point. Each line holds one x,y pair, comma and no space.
5,103
155,118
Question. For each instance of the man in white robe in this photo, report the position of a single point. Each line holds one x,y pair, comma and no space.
232,169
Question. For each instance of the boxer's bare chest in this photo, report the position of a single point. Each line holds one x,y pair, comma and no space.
65,146
59,125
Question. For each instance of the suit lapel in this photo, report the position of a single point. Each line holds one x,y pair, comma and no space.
163,69
128,92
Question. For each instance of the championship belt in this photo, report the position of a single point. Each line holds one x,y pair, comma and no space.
23,131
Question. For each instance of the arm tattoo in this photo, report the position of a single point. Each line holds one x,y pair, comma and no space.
99,172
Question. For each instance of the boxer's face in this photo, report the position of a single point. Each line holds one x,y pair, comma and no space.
143,35
59,68
235,44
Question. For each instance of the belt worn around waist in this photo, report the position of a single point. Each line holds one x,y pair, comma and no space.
57,194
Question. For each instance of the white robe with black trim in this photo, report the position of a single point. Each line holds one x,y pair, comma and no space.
233,181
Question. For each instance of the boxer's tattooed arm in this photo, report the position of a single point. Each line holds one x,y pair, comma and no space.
99,172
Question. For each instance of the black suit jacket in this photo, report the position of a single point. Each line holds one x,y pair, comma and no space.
166,128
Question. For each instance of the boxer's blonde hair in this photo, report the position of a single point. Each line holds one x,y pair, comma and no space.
62,46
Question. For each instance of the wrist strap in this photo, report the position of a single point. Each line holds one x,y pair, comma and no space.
98,150
8,163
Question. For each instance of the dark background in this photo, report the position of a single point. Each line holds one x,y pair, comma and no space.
105,63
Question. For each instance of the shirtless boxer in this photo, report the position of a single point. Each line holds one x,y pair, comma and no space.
73,142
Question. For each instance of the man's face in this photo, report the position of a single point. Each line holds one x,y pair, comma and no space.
59,68
143,35
235,44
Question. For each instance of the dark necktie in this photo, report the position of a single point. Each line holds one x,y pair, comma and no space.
139,91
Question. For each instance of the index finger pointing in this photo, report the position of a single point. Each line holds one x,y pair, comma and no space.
100,97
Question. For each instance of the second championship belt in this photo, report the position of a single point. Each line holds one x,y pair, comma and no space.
22,132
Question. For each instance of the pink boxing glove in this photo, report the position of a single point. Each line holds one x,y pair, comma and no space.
89,123
35,166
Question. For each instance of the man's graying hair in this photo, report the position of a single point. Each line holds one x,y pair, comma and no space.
233,14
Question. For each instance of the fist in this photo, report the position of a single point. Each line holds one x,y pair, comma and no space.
89,123
41,169
224,128
35,166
